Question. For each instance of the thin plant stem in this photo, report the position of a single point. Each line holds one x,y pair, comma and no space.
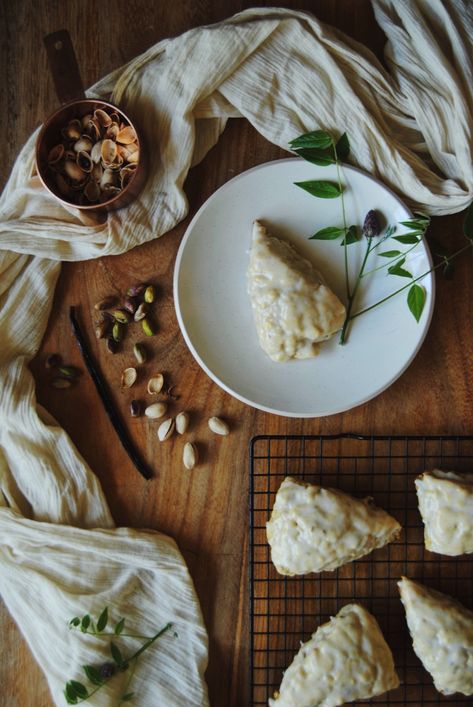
351,299
409,284
127,684
391,262
345,225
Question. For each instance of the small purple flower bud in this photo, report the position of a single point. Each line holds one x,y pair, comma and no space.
371,227
106,670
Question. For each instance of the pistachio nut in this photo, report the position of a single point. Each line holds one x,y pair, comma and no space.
117,332
61,383
136,290
182,423
156,410
140,312
121,316
130,305
155,384
190,456
135,408
166,429
140,353
149,295
70,372
129,377
147,328
219,426
105,303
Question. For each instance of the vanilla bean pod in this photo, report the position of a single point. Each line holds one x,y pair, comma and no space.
100,385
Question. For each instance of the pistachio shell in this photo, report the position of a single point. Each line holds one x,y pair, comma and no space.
219,426
112,131
140,312
182,422
127,135
92,191
96,152
73,171
108,178
126,175
93,129
84,161
166,429
97,173
140,353
108,151
102,117
190,456
129,377
155,384
84,143
73,130
156,410
62,185
55,154
134,156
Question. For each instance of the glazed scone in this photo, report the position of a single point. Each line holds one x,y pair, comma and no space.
346,659
442,636
446,506
293,309
312,529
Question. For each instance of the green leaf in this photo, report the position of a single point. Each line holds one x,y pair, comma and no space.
70,694
116,654
93,675
85,623
468,223
75,621
328,234
102,621
342,148
351,237
127,697
408,238
399,270
416,300
317,157
317,138
320,188
390,254
419,224
79,689
119,627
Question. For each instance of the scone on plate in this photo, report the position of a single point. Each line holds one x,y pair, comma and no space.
346,659
446,506
442,636
312,529
293,309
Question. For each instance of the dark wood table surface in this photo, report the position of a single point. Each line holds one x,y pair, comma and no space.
207,512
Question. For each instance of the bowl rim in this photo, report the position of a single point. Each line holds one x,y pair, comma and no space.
65,106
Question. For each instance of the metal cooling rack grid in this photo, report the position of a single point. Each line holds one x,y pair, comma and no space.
286,611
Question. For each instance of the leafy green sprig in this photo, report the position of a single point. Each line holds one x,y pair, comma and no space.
320,148
75,691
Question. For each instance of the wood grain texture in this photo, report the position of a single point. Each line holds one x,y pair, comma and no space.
206,511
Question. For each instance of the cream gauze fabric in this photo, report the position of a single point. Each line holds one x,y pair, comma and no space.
286,73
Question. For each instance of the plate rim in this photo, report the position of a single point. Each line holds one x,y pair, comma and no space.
242,398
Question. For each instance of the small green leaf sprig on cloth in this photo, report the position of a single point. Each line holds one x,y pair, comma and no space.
75,691
320,148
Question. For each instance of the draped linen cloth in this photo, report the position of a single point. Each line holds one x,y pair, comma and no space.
410,125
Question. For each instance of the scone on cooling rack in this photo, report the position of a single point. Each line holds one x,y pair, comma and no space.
446,506
346,659
313,529
442,636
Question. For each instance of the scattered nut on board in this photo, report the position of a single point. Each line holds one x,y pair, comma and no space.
166,429
156,410
182,422
129,377
190,455
155,384
219,426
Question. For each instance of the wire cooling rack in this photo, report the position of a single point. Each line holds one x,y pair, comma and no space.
286,611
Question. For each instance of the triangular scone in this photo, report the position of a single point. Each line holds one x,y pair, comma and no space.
446,506
293,309
442,636
346,659
312,529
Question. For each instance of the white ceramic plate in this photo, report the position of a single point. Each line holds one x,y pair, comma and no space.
213,307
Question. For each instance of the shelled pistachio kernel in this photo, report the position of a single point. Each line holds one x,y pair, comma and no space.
166,429
149,295
117,332
190,456
155,384
156,410
182,422
121,316
69,372
136,290
140,353
140,312
218,426
147,328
